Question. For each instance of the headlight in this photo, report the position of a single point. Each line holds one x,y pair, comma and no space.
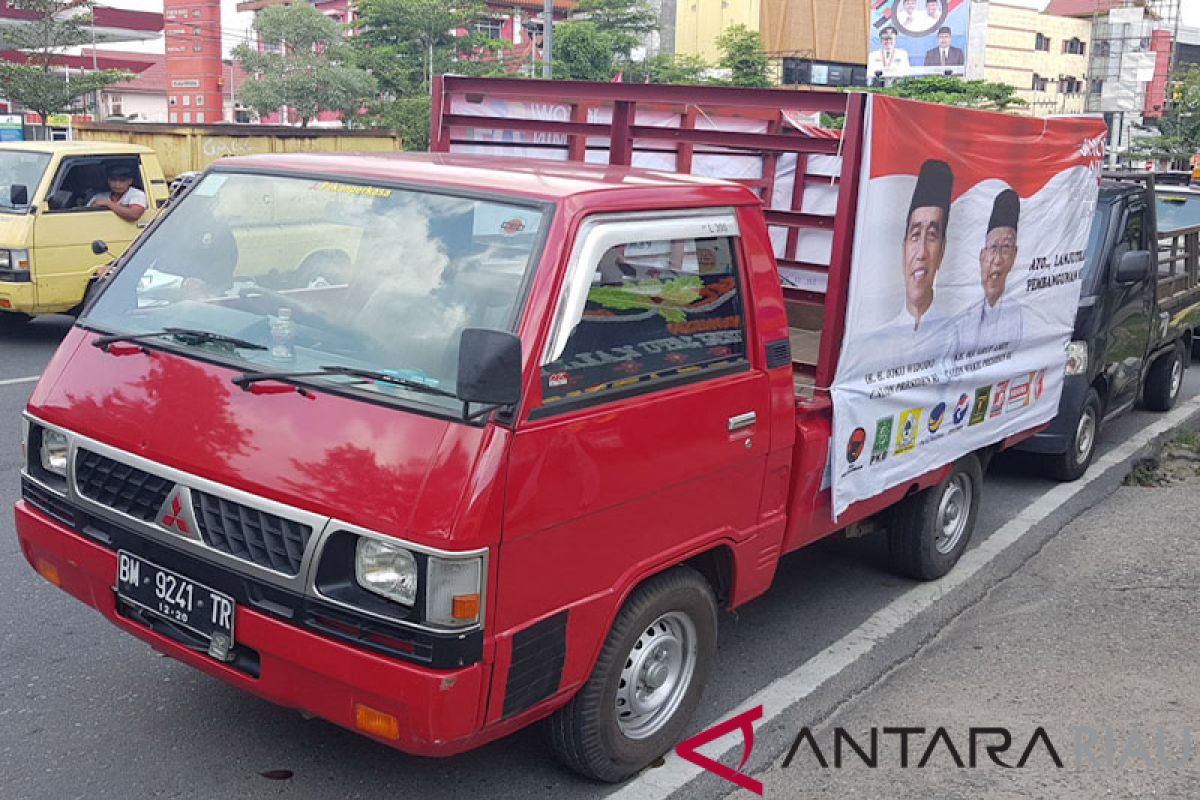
1077,358
24,441
452,591
54,452
14,259
386,570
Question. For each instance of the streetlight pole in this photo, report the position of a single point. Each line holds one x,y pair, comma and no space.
547,38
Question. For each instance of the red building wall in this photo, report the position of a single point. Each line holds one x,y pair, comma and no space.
192,30
1156,90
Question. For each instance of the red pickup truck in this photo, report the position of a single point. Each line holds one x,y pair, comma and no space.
437,446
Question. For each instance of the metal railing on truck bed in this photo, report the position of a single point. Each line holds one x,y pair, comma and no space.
766,139
1178,246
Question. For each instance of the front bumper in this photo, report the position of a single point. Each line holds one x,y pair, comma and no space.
18,296
1059,436
439,713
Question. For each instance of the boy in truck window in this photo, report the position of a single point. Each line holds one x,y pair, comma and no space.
122,198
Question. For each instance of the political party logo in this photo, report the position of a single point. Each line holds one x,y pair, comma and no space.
998,398
1018,394
936,416
1039,385
960,410
512,226
883,439
979,412
906,436
854,447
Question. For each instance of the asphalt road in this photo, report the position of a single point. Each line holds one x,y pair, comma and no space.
88,711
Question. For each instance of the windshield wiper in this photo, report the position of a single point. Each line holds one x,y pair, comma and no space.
185,335
247,379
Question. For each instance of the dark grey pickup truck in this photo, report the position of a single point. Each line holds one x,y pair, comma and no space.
1139,308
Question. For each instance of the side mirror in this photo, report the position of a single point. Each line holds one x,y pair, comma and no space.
1134,266
18,195
489,367
99,247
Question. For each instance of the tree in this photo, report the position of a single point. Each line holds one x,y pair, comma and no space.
742,54
668,68
624,21
309,73
406,42
54,25
956,92
583,52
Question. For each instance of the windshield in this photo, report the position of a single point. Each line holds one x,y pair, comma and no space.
1095,250
19,168
1177,210
323,273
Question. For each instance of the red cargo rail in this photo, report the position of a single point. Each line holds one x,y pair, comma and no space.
700,130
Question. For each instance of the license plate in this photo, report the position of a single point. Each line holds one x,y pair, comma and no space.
174,597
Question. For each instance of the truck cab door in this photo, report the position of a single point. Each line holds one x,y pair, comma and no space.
649,434
66,227
1133,312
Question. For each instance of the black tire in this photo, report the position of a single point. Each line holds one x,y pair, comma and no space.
586,734
13,320
1071,464
1164,381
918,542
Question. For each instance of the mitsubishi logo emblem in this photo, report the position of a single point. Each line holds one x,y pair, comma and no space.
176,514
175,518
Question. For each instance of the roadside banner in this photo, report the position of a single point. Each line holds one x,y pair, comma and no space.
907,38
968,256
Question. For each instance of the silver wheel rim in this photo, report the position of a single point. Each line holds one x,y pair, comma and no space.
1176,376
657,673
953,513
1085,435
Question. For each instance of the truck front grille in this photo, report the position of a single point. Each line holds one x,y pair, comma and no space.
127,489
246,533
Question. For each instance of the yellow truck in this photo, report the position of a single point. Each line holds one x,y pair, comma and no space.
47,225
192,148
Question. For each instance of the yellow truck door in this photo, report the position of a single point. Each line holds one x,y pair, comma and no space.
66,226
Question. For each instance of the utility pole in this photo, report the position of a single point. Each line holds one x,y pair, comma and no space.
547,38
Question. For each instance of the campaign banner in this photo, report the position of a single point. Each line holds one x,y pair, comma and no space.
968,255
917,37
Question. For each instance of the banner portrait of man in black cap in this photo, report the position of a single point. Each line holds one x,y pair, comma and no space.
994,319
924,243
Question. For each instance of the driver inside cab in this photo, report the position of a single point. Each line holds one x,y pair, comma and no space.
122,198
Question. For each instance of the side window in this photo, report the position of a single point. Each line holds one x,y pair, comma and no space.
79,180
655,310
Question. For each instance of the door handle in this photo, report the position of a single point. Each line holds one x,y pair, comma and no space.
742,421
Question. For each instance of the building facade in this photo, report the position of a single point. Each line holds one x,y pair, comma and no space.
698,23
1043,56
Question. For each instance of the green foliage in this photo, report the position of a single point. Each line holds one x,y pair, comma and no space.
742,54
310,74
668,68
34,84
955,92
1179,126
405,42
409,116
583,52
623,21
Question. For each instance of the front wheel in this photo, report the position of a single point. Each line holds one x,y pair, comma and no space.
1074,461
646,682
929,531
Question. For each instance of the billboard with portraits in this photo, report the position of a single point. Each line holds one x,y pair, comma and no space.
968,255
917,37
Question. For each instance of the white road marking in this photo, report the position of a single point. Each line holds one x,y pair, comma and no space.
11,381
787,690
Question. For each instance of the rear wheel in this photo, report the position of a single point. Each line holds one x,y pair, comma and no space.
646,682
1164,382
929,530
1074,461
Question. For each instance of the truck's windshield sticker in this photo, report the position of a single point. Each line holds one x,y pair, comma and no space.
351,189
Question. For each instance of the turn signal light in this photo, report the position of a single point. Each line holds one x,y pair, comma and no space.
376,723
48,571
465,607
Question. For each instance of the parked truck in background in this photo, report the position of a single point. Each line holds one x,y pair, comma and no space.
193,148
1135,329
436,447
